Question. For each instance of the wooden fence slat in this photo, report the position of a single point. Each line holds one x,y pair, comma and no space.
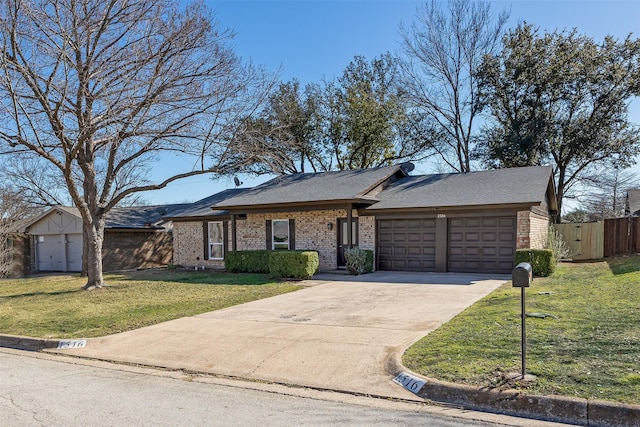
622,236
585,240
595,240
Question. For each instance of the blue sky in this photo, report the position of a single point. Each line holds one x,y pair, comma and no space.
311,40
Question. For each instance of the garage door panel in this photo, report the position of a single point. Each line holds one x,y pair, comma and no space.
483,244
471,236
506,237
414,237
488,222
429,237
489,250
506,252
456,237
414,250
507,222
407,244
399,251
489,236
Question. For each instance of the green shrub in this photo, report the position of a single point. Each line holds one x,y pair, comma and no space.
293,264
543,262
247,261
359,261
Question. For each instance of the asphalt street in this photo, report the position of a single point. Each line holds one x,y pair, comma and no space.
37,390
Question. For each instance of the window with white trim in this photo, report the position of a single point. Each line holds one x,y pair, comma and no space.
280,234
216,240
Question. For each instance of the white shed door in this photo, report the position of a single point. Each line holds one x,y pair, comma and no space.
50,253
74,252
59,252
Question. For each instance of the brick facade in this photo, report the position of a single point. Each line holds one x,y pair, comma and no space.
531,231
311,232
539,230
132,250
189,245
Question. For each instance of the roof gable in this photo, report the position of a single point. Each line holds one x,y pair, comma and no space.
528,185
313,188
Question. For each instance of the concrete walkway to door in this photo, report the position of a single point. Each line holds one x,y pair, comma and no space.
340,333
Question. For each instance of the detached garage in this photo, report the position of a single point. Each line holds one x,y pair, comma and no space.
57,241
135,237
470,222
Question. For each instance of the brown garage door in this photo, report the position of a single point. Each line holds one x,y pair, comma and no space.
407,244
482,245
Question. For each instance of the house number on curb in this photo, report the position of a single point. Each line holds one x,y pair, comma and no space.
408,381
72,344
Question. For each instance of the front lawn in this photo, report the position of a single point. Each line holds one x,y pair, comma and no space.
57,307
583,335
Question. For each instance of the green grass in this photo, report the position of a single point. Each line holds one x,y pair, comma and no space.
589,347
57,307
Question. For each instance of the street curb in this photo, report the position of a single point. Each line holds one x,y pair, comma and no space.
27,343
585,412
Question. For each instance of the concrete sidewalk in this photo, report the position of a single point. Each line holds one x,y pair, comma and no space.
345,335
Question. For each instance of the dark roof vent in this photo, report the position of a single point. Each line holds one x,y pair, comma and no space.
407,167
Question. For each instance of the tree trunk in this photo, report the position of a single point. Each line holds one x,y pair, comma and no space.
560,192
94,237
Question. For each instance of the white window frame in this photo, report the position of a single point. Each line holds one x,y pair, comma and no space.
273,230
211,244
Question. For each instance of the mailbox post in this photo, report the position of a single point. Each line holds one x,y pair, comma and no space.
521,277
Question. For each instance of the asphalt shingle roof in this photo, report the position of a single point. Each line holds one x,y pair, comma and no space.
494,187
303,188
140,216
202,208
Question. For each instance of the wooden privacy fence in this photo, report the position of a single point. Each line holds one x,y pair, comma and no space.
595,240
585,240
622,236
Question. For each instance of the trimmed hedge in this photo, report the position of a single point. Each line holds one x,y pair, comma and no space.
293,264
247,261
543,262
359,261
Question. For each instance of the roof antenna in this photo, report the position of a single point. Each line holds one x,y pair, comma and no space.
236,181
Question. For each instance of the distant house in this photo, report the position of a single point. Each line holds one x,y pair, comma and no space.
135,237
461,222
632,203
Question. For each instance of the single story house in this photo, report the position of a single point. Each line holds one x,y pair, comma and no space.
458,222
135,237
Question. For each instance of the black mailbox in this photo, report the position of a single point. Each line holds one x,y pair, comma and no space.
522,275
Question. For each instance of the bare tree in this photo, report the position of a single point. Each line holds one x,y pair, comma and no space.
443,48
99,90
605,192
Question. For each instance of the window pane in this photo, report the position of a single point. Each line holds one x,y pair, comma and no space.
216,244
215,232
280,234
216,251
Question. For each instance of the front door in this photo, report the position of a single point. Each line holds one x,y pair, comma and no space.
343,238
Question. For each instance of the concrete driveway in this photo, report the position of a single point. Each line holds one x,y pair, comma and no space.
341,332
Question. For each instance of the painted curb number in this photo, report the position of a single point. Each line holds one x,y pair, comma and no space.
408,381
72,344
